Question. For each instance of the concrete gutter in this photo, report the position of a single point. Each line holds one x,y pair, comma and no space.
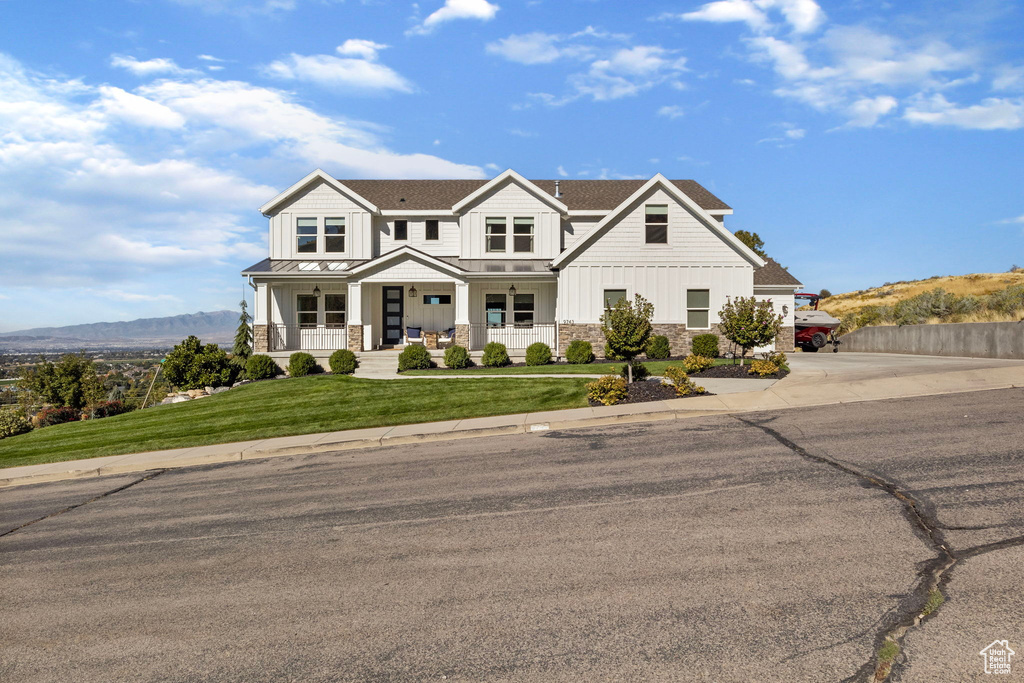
782,395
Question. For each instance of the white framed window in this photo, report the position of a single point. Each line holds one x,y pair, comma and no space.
306,309
334,235
306,234
522,310
698,309
495,234
401,230
334,310
522,235
437,299
656,223
496,306
612,296
432,229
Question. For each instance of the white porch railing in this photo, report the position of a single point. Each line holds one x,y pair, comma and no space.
301,338
512,336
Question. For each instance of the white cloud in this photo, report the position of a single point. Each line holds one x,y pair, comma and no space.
1007,221
796,133
803,16
209,58
865,112
456,9
136,110
121,295
673,111
562,172
149,67
993,113
627,72
361,72
1009,78
529,48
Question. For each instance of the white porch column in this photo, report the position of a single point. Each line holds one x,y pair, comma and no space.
354,325
260,313
461,303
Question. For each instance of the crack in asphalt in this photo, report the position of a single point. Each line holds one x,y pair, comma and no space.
934,573
150,475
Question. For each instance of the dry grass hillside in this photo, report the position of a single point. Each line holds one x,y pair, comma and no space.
978,297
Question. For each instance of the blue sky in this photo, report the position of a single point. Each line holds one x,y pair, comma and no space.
864,141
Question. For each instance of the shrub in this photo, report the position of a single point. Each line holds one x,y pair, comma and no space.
495,355
627,327
682,382
658,347
763,368
261,367
414,357
580,352
108,409
824,294
191,365
48,417
538,353
749,323
71,381
343,362
13,423
610,354
607,390
694,364
640,371
456,357
705,345
779,358
301,364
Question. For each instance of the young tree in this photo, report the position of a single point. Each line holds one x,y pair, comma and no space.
752,240
191,365
70,382
242,349
627,327
749,323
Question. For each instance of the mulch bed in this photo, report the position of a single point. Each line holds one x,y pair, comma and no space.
735,372
649,390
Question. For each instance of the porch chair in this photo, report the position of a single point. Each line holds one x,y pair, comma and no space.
446,336
413,335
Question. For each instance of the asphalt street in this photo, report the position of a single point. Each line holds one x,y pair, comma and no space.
779,546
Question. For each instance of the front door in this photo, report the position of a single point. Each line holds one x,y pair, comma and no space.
394,315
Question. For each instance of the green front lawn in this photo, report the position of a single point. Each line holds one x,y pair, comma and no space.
657,367
287,407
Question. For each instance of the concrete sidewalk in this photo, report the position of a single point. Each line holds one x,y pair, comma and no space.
790,392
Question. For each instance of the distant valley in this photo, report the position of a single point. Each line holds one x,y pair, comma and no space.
212,326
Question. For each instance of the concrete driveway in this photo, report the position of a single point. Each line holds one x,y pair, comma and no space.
826,366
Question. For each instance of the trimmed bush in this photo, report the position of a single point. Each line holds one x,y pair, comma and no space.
538,354
301,364
611,355
47,417
779,358
681,381
705,345
763,368
456,357
13,423
640,371
695,364
495,356
658,347
607,390
414,357
343,362
261,367
108,409
580,352
191,365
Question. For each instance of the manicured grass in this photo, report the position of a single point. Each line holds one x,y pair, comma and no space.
304,405
656,367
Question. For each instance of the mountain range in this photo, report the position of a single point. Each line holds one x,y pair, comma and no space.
211,326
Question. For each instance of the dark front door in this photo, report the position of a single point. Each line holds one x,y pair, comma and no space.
393,315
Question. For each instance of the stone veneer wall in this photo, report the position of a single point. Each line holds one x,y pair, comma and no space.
260,339
355,338
786,341
679,338
462,336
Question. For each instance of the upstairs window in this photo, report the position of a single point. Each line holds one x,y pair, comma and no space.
401,230
656,223
496,304
433,230
612,296
698,309
305,235
334,235
334,310
306,307
522,310
495,235
522,235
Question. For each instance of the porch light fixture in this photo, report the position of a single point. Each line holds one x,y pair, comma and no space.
512,290
412,292
316,291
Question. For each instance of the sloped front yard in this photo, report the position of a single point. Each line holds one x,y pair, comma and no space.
305,405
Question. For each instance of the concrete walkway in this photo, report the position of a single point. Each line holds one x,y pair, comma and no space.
807,386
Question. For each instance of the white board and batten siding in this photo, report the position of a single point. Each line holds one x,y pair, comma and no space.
320,200
694,258
781,298
543,299
447,243
510,201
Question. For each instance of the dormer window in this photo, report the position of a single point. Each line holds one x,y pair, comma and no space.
305,235
334,235
522,235
656,222
401,230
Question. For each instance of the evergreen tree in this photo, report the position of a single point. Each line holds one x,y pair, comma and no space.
752,240
242,349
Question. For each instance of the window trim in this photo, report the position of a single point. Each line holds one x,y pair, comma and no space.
488,234
697,309
298,311
613,288
426,230
516,235
504,309
315,235
648,224
343,235
343,310
532,310
437,303
405,229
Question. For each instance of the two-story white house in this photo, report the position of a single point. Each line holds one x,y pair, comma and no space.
371,264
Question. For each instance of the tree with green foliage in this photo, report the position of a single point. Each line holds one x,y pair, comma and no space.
752,240
824,294
242,349
627,328
191,365
70,382
749,323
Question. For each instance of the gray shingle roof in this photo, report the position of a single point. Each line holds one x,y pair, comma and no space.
598,195
771,273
